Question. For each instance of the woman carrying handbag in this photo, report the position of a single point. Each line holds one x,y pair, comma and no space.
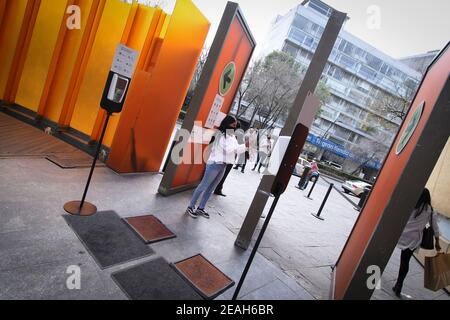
416,234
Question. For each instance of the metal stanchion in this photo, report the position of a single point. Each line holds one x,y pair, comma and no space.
255,248
363,199
323,203
83,208
312,188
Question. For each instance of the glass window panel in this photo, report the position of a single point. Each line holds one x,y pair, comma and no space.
373,61
290,49
347,62
366,73
309,41
297,35
300,22
349,49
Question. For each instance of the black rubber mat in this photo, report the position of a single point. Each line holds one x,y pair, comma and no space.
154,280
108,239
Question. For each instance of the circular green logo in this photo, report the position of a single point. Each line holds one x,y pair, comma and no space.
227,79
410,128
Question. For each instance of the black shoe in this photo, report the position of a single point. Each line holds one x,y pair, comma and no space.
397,290
219,193
243,171
203,213
192,213
235,168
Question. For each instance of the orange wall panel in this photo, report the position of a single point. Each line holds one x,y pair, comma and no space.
40,53
157,102
13,15
65,65
108,36
136,40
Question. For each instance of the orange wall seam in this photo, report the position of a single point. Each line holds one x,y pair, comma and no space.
23,43
40,52
136,32
54,63
82,60
108,35
13,18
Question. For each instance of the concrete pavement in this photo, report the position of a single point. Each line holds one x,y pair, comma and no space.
294,260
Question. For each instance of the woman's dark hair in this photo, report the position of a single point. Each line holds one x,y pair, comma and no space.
425,199
226,123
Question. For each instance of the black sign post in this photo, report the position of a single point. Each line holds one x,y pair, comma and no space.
279,186
113,99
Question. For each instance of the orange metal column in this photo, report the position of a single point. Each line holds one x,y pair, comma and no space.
155,100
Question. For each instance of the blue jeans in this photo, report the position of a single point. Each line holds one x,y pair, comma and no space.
213,175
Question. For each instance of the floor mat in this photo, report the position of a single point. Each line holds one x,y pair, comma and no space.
72,161
108,239
207,280
154,280
150,228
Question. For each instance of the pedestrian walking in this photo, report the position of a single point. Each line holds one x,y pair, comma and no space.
312,174
411,238
265,151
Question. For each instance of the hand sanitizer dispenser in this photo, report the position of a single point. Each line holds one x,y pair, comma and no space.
118,88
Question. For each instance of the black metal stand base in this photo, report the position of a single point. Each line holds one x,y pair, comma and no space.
83,208
74,208
309,198
318,217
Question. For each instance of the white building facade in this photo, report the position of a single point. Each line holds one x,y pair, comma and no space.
357,75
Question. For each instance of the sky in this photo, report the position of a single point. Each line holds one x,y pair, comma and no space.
404,27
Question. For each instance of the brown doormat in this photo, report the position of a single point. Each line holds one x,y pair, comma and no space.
203,276
150,228
72,161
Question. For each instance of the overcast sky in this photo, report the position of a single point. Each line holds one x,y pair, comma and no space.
407,27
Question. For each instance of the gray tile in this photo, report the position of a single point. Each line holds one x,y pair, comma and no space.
275,290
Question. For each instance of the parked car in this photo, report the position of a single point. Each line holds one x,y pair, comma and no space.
355,187
333,165
300,166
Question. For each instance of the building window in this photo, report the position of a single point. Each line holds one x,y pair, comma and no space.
352,137
346,61
367,73
297,35
373,62
386,70
308,41
300,22
290,49
320,7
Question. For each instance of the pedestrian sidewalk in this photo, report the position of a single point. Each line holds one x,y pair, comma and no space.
294,261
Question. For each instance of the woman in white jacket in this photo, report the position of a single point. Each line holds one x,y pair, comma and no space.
223,152
412,235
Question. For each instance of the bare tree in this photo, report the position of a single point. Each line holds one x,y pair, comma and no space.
247,86
395,107
371,150
153,3
269,89
199,69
